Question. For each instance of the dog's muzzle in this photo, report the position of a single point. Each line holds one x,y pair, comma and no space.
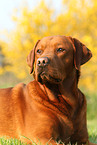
44,75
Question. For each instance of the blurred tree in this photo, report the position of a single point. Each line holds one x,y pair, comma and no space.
1,58
31,26
3,61
78,19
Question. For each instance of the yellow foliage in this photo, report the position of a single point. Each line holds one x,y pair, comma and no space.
79,19
1,70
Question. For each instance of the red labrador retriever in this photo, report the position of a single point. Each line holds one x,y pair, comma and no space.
50,109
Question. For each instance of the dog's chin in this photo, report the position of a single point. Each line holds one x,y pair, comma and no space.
44,78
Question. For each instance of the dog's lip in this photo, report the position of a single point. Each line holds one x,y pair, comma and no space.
44,75
55,79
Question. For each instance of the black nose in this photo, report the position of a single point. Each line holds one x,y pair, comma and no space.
43,61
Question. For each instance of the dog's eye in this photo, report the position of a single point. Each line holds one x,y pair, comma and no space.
60,50
39,51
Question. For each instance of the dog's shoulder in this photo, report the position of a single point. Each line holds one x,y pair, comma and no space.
19,88
33,86
5,93
33,89
20,91
26,90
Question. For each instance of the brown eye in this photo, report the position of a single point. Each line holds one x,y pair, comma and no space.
39,51
60,50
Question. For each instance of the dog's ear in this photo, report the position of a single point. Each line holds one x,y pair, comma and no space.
31,58
81,53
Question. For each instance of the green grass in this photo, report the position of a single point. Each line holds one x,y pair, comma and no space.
4,141
91,114
93,135
92,130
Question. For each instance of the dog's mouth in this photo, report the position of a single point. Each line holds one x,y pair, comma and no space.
44,77
55,79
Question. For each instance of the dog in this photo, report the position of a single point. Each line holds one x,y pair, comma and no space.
50,109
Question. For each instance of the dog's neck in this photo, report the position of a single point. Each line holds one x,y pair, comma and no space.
69,85
67,88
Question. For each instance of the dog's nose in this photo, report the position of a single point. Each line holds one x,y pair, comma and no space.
43,61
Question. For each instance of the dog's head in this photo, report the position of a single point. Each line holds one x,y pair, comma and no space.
55,57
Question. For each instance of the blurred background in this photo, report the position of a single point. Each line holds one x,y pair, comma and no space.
23,22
